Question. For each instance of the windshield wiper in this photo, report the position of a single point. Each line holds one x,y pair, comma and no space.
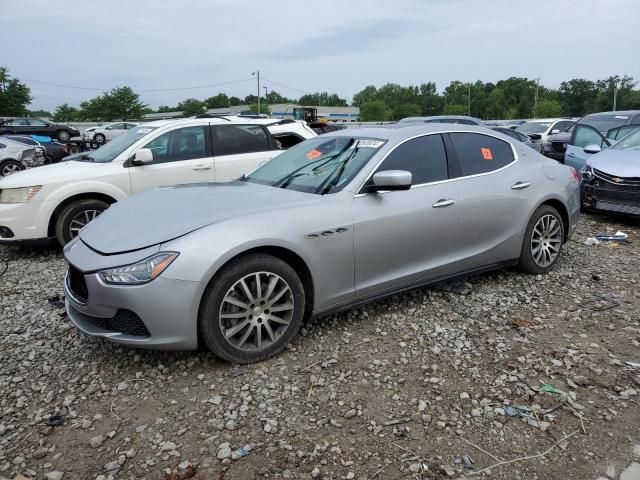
332,180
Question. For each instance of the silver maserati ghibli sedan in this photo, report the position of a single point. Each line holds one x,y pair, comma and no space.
334,221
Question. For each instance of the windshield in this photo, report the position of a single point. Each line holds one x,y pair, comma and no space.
115,147
534,127
604,123
630,142
319,165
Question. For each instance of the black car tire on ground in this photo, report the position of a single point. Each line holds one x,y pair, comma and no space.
210,331
527,262
63,135
7,167
73,148
63,221
99,138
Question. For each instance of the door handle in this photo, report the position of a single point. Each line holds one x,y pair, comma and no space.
571,154
443,203
521,185
202,167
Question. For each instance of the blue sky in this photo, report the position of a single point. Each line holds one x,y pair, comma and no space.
333,45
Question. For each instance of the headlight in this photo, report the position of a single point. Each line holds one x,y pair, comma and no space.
18,195
141,272
587,173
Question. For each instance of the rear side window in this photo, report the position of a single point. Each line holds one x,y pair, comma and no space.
287,140
236,139
478,153
425,157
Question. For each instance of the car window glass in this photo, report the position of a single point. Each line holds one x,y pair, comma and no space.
177,145
586,135
425,157
235,139
466,122
562,125
478,153
116,126
36,122
18,122
287,140
620,132
25,140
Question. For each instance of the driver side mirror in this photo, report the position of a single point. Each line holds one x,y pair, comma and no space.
143,156
592,149
554,131
391,180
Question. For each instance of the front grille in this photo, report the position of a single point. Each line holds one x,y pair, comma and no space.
77,284
618,207
624,183
124,321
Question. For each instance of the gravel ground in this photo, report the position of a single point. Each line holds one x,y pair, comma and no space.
436,383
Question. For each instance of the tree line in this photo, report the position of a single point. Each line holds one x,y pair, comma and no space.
513,97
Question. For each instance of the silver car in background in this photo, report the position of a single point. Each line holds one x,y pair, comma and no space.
332,222
16,156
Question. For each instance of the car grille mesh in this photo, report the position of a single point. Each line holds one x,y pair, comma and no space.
124,321
77,284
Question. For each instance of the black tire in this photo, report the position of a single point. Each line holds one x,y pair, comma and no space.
527,261
209,326
63,135
9,167
73,149
99,138
71,211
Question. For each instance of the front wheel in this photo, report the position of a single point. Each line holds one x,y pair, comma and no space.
63,135
10,167
252,309
542,241
99,138
75,216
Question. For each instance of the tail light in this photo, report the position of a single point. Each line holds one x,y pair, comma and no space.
575,174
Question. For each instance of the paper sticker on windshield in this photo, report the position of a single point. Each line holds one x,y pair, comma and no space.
145,130
313,154
486,153
369,143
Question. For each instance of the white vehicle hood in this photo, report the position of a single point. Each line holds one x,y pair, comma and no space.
58,172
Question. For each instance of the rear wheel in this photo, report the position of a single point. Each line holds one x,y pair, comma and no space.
76,216
252,309
542,241
63,135
9,167
99,138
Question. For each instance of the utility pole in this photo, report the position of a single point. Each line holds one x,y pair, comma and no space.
257,74
469,98
615,95
535,99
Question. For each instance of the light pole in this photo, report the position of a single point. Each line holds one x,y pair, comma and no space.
535,99
257,75
469,98
615,95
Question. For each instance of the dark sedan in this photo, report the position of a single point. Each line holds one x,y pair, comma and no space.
36,126
53,151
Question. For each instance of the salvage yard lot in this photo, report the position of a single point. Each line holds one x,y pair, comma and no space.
396,389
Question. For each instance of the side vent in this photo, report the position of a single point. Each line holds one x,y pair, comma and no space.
326,233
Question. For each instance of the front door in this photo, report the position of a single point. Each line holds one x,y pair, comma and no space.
582,136
180,156
404,237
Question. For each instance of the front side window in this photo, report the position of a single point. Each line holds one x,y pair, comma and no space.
425,157
318,165
36,122
585,135
110,151
115,126
180,144
236,139
18,122
478,153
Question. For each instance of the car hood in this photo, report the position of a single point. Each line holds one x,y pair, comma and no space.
165,213
620,163
64,171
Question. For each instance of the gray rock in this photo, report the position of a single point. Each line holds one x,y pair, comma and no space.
632,472
54,475
97,441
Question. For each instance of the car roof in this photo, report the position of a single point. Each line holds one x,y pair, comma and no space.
613,114
436,117
220,120
399,133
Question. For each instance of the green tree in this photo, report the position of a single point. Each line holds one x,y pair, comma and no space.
14,95
375,111
235,101
579,97
454,109
323,99
123,103
264,108
166,109
549,109
39,113
406,110
191,107
217,101
274,97
65,113
94,110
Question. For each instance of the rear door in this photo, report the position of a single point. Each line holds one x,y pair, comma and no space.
239,149
582,136
405,237
182,155
494,198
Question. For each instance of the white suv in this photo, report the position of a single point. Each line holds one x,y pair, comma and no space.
58,200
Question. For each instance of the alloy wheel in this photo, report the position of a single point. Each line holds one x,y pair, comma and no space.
9,169
81,220
256,311
63,135
546,240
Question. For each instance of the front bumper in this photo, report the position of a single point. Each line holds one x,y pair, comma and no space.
26,221
162,314
608,196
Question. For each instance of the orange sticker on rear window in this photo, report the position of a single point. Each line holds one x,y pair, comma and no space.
486,153
313,154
